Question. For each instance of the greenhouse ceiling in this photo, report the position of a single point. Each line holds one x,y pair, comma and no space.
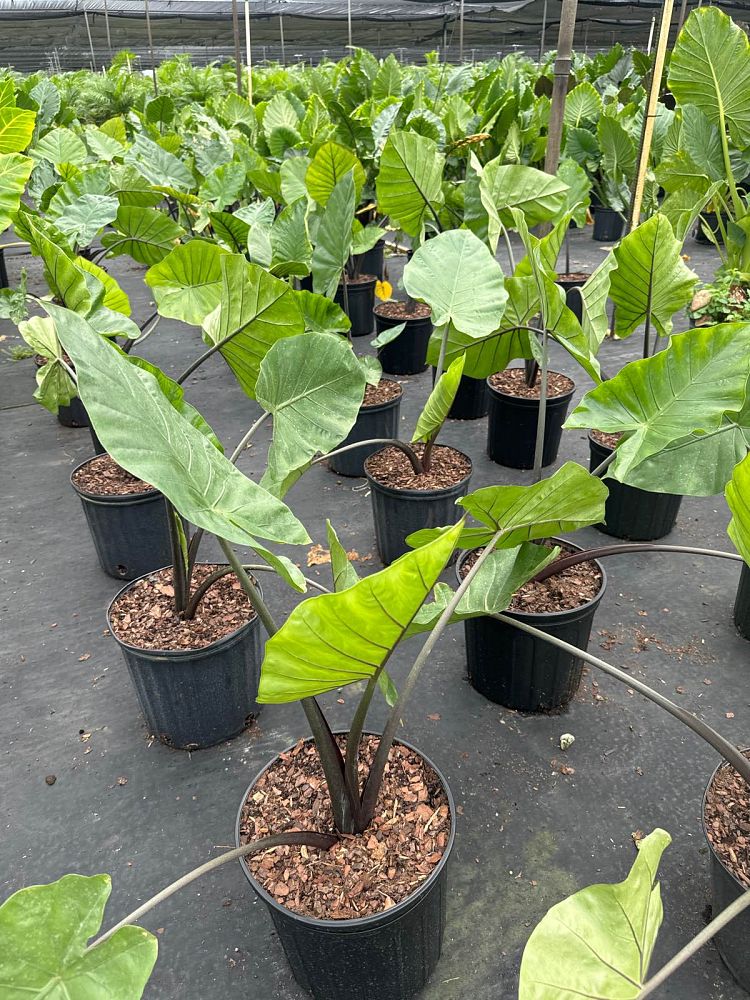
68,34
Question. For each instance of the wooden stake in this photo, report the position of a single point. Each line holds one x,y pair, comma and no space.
544,31
648,125
560,86
281,36
91,44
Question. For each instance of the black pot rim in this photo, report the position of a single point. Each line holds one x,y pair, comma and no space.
353,923
397,320
546,615
177,654
365,285
418,494
730,873
598,444
388,403
552,401
106,499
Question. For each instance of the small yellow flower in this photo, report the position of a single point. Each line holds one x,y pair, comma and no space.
383,290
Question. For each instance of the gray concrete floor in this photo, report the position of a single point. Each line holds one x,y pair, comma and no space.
527,835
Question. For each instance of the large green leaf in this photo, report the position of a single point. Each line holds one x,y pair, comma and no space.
55,388
16,129
710,68
158,165
144,433
738,498
314,386
409,184
651,278
143,233
333,239
67,283
594,296
322,315
538,195
578,195
15,171
290,242
457,276
569,499
44,932
582,104
671,406
255,310
493,587
618,149
331,164
439,402
114,297
61,146
187,283
86,216
342,638
599,941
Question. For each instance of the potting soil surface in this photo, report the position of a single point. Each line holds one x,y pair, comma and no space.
86,788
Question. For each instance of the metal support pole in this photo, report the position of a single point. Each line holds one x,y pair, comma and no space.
651,36
151,46
560,85
349,21
586,38
237,52
648,125
106,25
683,12
248,53
461,32
91,44
544,31
281,36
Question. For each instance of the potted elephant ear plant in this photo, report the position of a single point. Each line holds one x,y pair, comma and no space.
189,635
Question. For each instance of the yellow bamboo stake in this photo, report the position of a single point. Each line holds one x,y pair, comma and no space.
648,125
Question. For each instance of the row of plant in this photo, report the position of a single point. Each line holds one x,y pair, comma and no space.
226,243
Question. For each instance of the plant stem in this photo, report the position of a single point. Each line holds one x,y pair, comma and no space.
217,574
180,579
726,749
542,418
207,354
605,464
509,248
345,295
249,587
416,463
726,916
441,355
375,777
323,841
616,550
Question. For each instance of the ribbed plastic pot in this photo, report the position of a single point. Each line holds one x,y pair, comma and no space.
511,428
398,513
731,941
742,603
608,225
407,354
73,415
130,533
471,401
373,261
573,299
387,956
361,297
193,699
520,671
631,513
377,421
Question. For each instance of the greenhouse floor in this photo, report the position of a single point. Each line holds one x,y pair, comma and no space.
534,823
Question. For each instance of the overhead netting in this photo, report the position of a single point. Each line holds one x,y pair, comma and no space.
70,34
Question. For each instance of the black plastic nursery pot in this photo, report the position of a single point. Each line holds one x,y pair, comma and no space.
377,421
407,354
742,603
373,260
520,671
571,284
631,513
361,295
399,512
130,532
511,428
196,698
608,225
3,271
711,221
99,448
74,414
471,402
386,956
731,941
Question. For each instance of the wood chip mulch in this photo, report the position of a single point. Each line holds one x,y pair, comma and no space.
568,589
385,390
391,467
102,476
728,821
361,875
403,310
144,615
578,276
606,440
512,382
